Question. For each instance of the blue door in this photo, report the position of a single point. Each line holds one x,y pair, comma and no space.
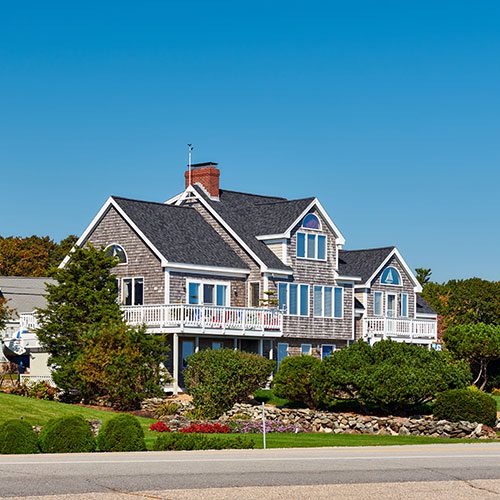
282,352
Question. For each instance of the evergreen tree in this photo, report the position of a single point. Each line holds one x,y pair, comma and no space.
84,296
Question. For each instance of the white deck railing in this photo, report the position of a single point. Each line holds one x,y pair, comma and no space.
399,328
186,316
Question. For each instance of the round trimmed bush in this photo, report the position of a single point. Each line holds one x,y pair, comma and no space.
470,404
17,436
69,434
121,433
293,381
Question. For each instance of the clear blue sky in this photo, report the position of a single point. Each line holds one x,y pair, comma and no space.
388,112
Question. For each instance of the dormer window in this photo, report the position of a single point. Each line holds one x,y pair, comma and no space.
390,276
118,252
311,221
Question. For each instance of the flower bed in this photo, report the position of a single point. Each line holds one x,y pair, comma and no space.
160,427
206,428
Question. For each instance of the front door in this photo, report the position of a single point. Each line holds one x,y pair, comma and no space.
391,305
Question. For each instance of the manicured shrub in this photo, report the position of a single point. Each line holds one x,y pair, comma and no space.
159,427
389,377
217,379
293,381
466,404
121,433
17,436
206,428
68,434
180,441
166,409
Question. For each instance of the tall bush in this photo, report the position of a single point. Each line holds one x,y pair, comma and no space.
293,381
217,379
389,376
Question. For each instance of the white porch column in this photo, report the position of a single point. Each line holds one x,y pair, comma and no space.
175,354
196,344
235,344
261,347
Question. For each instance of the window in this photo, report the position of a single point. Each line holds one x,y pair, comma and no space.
404,305
339,302
311,246
118,252
305,349
311,221
255,294
390,276
133,291
377,303
327,349
282,352
293,298
391,305
216,346
207,293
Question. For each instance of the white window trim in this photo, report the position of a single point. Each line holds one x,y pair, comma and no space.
249,301
381,315
124,251
202,282
334,346
391,284
395,295
316,235
299,300
309,349
133,278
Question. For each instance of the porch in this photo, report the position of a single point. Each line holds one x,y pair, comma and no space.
414,331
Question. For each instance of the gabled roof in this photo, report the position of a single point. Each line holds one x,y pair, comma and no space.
362,263
180,234
24,294
242,212
423,306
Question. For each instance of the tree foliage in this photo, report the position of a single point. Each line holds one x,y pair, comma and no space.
5,312
388,376
217,379
293,381
32,255
83,297
423,275
461,302
121,364
478,344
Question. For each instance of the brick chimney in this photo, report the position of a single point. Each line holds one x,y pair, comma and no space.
207,174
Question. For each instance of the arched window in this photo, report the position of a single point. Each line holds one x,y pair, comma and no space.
117,251
390,276
310,221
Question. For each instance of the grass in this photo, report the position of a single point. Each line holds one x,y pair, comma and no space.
497,399
39,412
267,396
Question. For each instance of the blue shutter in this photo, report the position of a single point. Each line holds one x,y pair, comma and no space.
304,300
322,247
293,299
301,245
377,304
339,302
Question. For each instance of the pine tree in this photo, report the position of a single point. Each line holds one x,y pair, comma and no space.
84,296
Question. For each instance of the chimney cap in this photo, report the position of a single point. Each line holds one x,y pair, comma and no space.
204,164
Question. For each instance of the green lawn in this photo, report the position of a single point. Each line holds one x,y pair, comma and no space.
39,412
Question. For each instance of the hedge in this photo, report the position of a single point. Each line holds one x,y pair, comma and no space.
17,436
177,441
121,433
68,434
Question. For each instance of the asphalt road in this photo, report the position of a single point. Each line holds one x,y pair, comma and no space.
91,474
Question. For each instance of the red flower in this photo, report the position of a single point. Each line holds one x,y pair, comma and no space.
206,428
159,427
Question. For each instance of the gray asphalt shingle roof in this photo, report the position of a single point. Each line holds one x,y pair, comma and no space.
252,215
180,234
362,263
423,306
24,294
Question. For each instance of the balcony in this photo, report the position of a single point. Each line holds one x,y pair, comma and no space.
399,329
206,319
